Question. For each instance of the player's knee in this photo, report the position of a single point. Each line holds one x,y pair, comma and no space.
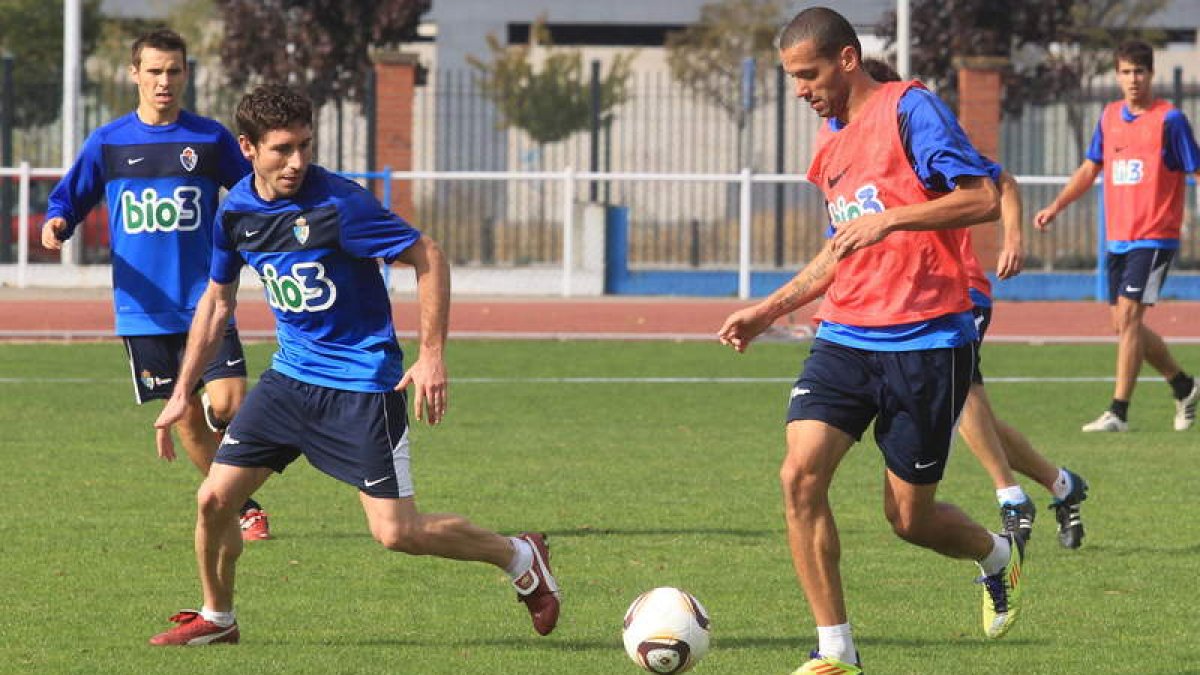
907,525
801,486
401,538
221,410
212,504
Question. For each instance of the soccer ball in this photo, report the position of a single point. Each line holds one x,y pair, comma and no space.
666,631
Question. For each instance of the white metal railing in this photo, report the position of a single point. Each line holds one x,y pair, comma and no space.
568,178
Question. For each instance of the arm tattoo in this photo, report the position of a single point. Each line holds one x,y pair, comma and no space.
802,283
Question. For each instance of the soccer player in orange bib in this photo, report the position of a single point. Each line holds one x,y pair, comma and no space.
896,341
1145,147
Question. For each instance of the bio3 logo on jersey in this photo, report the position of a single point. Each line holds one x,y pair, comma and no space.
151,213
866,200
1127,171
307,289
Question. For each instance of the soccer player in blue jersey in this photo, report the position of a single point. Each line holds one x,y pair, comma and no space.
336,389
161,169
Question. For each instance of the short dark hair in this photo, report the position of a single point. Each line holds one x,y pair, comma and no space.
828,30
880,70
162,39
1137,52
270,107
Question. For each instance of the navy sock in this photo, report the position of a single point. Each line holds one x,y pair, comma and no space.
1182,385
1120,409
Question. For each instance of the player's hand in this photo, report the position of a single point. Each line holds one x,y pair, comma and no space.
50,231
1044,217
741,327
174,411
430,389
858,234
1010,262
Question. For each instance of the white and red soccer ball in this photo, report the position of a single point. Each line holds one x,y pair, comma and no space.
666,631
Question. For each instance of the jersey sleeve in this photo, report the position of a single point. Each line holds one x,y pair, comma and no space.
938,147
1095,151
1180,152
232,164
80,189
226,261
370,231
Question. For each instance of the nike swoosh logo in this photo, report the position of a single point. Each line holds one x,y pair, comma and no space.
833,180
134,160
160,381
234,362
1119,148
1131,289
797,391
251,233
373,483
926,465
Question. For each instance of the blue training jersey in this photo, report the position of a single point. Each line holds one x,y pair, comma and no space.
162,185
940,154
315,253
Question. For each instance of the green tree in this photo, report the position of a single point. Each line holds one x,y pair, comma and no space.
552,100
31,31
706,57
322,45
1055,47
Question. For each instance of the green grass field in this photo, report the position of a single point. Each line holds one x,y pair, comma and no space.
638,483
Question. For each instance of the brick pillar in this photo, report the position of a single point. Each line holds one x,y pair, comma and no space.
395,80
980,86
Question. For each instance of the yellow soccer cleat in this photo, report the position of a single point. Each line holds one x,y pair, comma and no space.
825,665
1002,592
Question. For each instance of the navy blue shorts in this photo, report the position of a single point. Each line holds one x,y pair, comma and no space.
914,398
358,438
983,319
1139,274
154,361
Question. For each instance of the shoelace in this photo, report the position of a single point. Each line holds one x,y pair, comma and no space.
996,589
251,518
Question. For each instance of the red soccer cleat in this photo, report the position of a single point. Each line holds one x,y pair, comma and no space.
193,630
537,587
254,525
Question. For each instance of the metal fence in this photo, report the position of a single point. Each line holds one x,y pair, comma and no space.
661,128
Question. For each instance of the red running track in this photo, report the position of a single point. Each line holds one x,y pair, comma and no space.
52,315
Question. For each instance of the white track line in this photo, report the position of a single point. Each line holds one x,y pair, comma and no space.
605,380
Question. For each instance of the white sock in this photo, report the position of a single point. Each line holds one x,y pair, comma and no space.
1013,494
222,619
522,558
1062,485
837,642
998,558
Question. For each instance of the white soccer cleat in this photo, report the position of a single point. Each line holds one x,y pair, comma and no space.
1185,409
1107,421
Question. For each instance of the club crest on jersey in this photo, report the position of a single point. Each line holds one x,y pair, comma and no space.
147,379
300,229
188,158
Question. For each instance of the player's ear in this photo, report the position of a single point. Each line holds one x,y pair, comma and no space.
246,147
848,59
133,73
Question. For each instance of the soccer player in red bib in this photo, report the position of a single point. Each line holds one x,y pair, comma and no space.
896,341
1145,147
